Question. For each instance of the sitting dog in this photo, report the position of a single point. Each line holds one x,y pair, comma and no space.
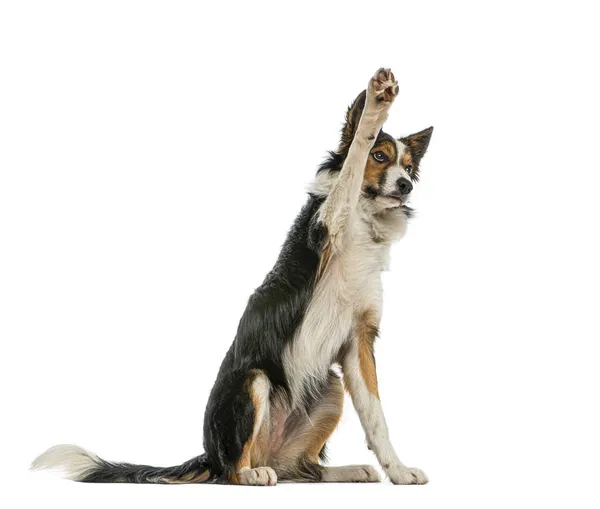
278,396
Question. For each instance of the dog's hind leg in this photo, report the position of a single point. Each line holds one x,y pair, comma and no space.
238,429
305,438
250,468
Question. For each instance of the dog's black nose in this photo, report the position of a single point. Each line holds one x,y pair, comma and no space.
404,185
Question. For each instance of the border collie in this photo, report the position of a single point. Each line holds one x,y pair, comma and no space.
278,396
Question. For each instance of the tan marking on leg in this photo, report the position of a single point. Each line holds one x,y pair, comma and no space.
304,435
255,450
259,452
366,333
244,461
325,418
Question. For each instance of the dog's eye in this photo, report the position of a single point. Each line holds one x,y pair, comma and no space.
380,156
409,169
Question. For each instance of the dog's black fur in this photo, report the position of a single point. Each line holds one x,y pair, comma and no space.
269,322
273,314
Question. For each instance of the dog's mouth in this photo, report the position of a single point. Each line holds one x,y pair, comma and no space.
392,200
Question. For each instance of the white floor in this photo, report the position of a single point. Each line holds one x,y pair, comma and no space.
458,489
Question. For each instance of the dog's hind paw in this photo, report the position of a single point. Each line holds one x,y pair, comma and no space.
259,476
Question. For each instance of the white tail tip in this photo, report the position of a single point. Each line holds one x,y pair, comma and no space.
71,461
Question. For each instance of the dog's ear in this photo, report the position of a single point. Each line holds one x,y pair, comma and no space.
352,119
417,144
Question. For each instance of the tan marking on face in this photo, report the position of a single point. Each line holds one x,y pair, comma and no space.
406,159
366,332
374,169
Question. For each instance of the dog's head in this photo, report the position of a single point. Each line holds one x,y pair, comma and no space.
392,166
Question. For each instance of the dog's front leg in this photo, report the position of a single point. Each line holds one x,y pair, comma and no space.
360,379
340,204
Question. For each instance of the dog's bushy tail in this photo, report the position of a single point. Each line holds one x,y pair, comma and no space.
80,465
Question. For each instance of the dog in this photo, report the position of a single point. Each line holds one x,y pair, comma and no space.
278,395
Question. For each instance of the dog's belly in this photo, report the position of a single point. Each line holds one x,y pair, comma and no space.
350,284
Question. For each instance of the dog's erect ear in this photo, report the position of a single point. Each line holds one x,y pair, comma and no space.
417,144
352,119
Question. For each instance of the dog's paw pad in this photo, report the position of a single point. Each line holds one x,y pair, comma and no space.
383,85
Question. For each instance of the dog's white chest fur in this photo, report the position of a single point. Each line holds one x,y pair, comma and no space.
350,284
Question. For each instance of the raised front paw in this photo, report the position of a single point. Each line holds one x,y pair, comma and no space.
383,86
405,475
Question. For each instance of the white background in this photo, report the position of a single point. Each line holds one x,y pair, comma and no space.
152,157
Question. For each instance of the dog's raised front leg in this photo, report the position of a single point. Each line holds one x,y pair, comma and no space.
360,378
341,202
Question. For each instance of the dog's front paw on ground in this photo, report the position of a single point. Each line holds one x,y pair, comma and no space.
259,476
383,86
367,473
405,475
